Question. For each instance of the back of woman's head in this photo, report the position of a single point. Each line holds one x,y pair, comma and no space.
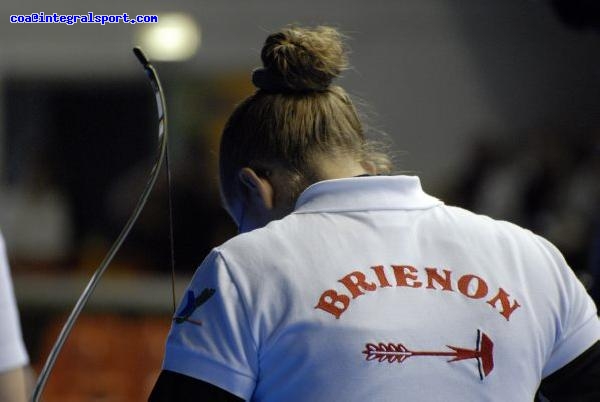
296,118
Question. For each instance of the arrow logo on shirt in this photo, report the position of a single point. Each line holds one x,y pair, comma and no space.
191,304
398,353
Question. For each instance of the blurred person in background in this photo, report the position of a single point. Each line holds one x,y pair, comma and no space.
311,301
13,356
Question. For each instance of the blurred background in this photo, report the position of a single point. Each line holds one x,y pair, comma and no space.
494,104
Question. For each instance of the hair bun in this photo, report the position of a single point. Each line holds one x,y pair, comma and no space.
301,59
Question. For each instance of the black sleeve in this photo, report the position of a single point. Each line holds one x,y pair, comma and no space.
176,387
577,381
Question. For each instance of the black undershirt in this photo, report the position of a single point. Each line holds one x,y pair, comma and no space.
176,387
577,381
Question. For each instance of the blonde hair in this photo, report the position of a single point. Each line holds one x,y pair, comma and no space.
296,116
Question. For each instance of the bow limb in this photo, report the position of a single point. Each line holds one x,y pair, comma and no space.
95,279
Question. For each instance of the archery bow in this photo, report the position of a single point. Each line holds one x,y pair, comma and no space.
94,280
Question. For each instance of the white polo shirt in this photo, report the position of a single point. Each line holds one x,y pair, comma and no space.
373,290
12,349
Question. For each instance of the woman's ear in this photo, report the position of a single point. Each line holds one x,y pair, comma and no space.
369,167
259,188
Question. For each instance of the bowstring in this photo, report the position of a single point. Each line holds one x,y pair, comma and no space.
171,234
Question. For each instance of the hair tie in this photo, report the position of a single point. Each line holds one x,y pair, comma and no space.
270,81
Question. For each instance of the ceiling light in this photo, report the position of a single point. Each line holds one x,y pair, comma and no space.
175,37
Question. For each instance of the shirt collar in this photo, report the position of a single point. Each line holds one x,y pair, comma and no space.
365,193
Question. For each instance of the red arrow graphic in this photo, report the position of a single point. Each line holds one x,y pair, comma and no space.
397,353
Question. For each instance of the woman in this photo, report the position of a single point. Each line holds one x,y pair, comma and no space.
346,284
